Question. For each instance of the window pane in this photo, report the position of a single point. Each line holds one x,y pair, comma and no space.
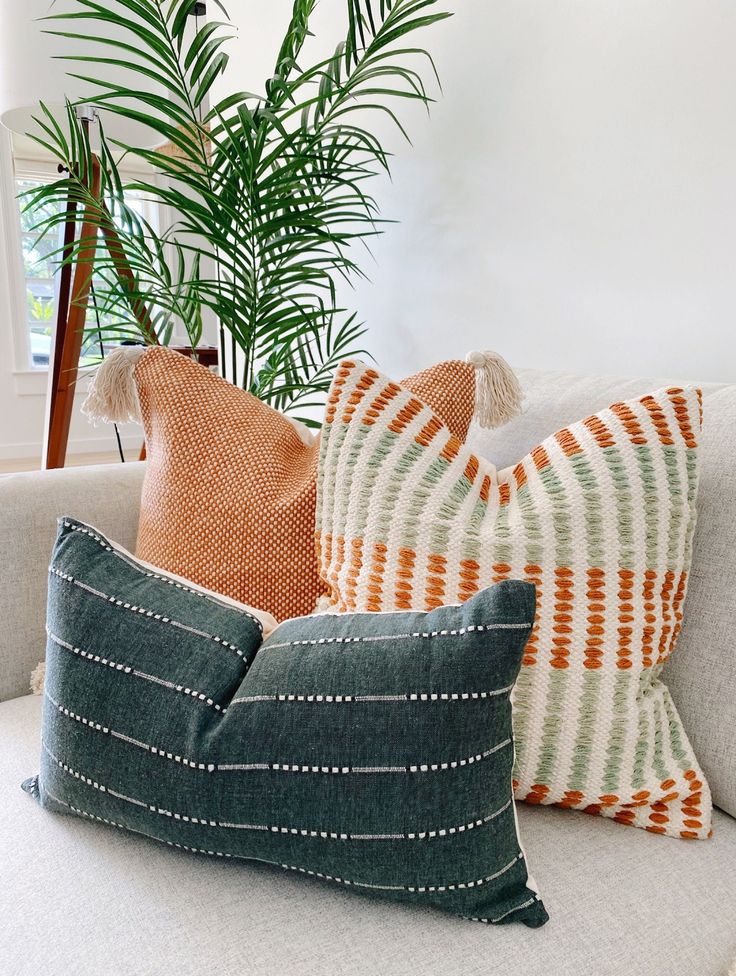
40,289
38,265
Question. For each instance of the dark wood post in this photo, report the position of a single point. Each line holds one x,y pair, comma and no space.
69,335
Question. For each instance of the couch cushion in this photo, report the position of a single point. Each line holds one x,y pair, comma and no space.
229,494
599,517
87,899
372,750
701,675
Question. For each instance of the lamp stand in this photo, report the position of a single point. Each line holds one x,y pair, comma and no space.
73,295
75,280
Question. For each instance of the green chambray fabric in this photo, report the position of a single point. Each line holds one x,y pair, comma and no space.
370,750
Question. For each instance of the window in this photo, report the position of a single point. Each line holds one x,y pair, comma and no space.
40,284
38,273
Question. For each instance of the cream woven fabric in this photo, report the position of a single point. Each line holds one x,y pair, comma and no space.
230,489
600,517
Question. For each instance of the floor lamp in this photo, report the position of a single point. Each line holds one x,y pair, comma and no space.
72,298
24,83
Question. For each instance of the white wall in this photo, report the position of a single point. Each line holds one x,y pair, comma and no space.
571,202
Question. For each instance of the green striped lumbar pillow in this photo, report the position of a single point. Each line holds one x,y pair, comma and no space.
599,517
371,750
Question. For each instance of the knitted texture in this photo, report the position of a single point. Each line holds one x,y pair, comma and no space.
600,517
230,489
372,751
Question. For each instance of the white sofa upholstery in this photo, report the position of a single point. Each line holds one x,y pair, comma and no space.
106,496
89,900
84,898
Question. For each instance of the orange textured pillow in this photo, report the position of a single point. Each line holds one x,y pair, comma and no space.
230,490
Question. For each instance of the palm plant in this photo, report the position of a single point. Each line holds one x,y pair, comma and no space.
268,191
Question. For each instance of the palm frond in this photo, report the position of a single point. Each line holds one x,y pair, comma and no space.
271,191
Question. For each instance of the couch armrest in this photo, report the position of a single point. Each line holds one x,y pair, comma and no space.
106,496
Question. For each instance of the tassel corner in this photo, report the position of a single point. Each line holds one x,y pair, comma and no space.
38,677
498,394
112,396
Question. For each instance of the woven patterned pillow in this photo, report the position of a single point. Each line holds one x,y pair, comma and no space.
230,489
599,517
374,751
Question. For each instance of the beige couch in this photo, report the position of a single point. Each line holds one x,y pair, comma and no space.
87,899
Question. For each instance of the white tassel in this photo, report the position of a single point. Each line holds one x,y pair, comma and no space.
323,604
498,395
38,676
112,396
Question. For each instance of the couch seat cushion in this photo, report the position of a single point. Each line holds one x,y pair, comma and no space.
87,899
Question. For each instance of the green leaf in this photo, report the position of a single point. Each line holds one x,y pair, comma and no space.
267,196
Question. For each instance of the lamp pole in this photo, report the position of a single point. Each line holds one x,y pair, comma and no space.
75,282
71,313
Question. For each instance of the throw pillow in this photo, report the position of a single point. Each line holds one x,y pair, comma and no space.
599,517
230,489
373,751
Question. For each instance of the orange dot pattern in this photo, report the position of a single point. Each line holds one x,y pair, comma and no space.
230,489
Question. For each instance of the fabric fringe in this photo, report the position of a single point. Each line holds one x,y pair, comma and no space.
323,605
498,396
113,397
38,676
30,786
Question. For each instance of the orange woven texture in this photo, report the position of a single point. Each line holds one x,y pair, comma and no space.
230,489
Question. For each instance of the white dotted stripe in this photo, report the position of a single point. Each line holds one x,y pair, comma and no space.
441,832
245,767
127,669
338,835
252,699
418,768
426,634
407,697
434,767
154,750
73,772
120,796
132,830
499,918
153,808
463,885
275,767
97,726
423,889
77,527
151,614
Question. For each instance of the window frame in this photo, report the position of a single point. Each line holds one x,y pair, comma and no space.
42,171
15,274
30,380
